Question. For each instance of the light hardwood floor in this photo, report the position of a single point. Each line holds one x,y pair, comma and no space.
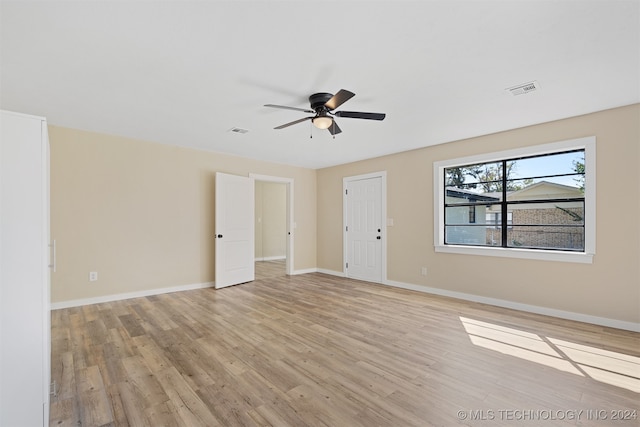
270,269
317,350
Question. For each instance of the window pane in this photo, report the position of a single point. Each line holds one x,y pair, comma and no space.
466,235
548,165
546,237
457,215
547,226
480,178
455,195
566,187
462,215
538,214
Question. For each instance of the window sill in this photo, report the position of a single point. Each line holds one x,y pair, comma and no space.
577,257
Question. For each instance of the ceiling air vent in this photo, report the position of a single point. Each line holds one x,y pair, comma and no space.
238,130
524,88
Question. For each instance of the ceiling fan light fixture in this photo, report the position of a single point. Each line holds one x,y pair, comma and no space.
323,104
322,122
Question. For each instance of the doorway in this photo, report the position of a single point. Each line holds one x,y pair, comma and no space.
273,226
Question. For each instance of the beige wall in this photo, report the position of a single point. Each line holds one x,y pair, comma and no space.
141,214
271,220
609,288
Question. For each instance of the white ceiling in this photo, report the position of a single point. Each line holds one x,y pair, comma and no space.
186,72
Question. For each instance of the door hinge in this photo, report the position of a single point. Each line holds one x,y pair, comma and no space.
52,245
346,192
53,388
347,265
346,228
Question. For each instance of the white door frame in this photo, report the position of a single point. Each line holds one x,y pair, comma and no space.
383,215
290,223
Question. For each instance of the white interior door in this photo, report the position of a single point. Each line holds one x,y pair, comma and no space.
24,276
235,238
364,230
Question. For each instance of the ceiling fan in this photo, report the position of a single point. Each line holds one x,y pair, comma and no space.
322,105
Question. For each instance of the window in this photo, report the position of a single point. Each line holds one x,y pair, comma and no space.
537,202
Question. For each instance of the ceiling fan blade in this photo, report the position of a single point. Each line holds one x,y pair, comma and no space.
360,115
295,122
284,107
338,99
334,129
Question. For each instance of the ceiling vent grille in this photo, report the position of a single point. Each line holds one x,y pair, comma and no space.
524,88
238,130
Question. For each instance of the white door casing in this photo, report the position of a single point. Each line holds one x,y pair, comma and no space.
234,225
364,227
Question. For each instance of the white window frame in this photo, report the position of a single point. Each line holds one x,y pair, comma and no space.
588,144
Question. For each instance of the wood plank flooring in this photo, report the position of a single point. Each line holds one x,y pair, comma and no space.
317,350
269,269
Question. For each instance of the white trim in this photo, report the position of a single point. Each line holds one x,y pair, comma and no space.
383,218
331,272
128,295
290,214
579,317
270,258
577,257
545,311
586,143
569,315
26,116
47,271
305,271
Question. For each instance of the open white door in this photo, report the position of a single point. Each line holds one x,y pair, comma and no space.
234,230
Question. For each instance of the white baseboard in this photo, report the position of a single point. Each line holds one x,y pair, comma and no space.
579,317
331,272
305,271
127,295
271,258
569,315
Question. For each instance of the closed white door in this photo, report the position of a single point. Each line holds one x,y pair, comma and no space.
363,230
235,236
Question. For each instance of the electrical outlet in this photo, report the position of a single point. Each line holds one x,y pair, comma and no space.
423,271
93,276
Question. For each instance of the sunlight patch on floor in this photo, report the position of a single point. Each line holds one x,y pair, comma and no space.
618,369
